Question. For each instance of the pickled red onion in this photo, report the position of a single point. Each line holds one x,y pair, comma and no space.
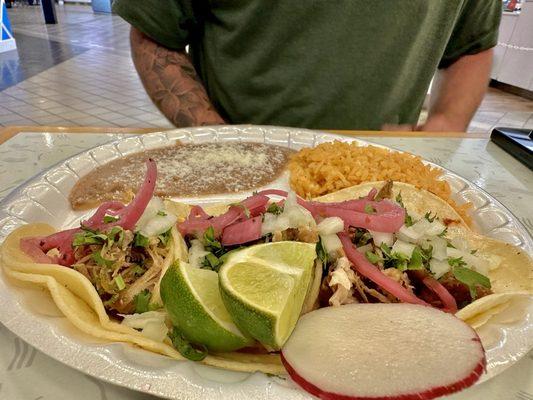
242,232
109,207
370,271
128,217
194,226
448,301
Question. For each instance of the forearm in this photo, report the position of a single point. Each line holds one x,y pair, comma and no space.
171,81
457,92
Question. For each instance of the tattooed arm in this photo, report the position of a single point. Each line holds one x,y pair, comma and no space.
172,83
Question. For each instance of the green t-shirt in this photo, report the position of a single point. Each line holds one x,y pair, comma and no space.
337,64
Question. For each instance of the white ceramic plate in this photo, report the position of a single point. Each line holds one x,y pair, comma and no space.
44,199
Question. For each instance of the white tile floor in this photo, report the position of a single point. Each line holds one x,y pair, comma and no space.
101,88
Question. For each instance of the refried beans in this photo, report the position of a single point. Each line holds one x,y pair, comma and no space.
183,170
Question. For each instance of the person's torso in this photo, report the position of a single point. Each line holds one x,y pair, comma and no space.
337,64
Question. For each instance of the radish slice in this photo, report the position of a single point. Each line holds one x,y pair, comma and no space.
382,351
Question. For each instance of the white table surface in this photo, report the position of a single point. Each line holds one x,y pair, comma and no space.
26,373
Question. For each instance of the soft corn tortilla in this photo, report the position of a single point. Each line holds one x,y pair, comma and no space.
79,302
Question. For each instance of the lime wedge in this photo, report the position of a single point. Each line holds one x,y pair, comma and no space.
192,299
264,287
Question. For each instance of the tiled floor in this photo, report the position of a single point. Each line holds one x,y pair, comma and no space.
79,72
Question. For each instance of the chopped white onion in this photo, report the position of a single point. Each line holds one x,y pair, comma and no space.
421,226
404,248
158,225
439,248
151,224
154,205
330,225
438,267
365,248
293,216
331,243
197,253
435,228
408,234
151,323
459,243
382,237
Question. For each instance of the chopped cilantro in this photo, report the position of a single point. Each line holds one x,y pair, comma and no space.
161,213
417,259
443,233
88,237
119,281
142,301
185,348
471,279
275,209
116,235
408,220
139,240
393,259
429,217
399,199
211,244
369,209
456,262
109,218
372,257
101,261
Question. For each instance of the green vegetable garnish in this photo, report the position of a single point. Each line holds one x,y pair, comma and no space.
399,199
142,301
471,279
321,252
393,260
443,233
408,220
185,348
456,262
139,240
109,218
161,213
119,281
372,257
211,262
429,217
164,237
88,237
274,209
112,236
417,259
137,270
369,209
101,261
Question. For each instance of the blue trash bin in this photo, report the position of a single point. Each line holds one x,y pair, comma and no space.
101,6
